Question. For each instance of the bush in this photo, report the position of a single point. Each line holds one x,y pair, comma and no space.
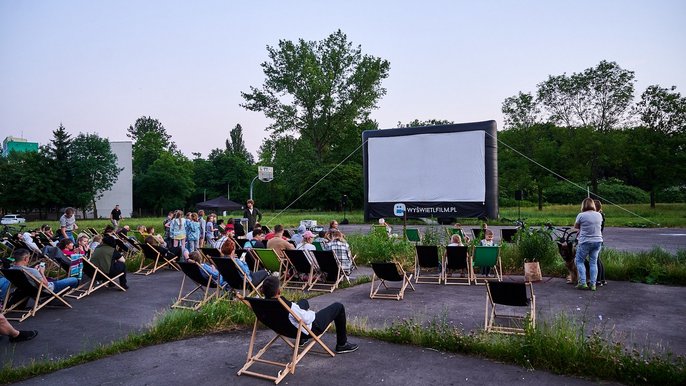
378,248
652,267
537,246
611,190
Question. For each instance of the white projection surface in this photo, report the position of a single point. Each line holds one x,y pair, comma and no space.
438,167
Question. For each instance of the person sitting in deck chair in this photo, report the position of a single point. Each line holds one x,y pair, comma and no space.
21,261
316,321
208,268
109,260
487,242
342,250
229,250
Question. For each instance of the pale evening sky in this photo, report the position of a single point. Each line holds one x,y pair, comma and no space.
97,66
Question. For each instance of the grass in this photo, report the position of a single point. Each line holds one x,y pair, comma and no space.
560,347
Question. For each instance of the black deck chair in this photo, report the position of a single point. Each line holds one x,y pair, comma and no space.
298,266
158,260
457,258
57,259
98,279
478,234
93,231
427,259
210,252
203,284
26,286
387,272
512,295
331,269
274,313
233,276
508,235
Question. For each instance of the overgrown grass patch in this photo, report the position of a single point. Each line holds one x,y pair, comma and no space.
560,347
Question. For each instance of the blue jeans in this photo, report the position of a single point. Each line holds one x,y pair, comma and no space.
4,286
592,250
59,285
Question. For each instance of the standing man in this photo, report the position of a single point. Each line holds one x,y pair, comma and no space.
252,214
68,224
115,216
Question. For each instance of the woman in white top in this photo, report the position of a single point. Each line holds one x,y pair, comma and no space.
589,223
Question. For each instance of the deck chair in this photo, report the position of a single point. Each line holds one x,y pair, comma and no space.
93,231
233,276
486,257
427,259
98,279
412,235
507,235
318,245
210,252
452,231
386,272
478,233
269,260
158,260
201,284
457,258
30,288
513,296
330,268
298,267
274,313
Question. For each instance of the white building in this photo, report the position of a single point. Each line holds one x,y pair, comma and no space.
121,192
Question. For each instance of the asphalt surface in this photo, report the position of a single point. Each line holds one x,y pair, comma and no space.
635,314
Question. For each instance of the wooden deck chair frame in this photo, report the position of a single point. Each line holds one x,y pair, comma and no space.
232,274
457,257
385,272
427,257
511,295
270,260
484,255
98,279
93,231
297,264
34,289
285,331
209,288
328,264
152,253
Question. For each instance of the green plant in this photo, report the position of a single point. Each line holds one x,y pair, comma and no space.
537,246
433,235
375,247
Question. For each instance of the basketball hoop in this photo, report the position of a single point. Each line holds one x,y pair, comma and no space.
265,173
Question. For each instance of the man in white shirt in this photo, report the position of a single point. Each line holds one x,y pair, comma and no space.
315,321
27,238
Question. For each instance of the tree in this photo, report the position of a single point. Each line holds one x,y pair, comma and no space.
236,145
317,90
660,141
150,139
57,154
58,149
94,169
521,110
429,122
597,97
167,184
27,183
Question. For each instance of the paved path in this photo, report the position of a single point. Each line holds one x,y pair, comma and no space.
640,313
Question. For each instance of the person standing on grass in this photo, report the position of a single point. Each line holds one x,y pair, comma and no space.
203,223
177,230
115,216
252,214
589,223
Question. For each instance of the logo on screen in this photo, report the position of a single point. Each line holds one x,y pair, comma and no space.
399,210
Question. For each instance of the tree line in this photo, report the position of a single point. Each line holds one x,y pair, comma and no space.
582,127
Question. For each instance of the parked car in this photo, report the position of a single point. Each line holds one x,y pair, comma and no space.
12,219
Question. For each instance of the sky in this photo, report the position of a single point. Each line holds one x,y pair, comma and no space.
97,66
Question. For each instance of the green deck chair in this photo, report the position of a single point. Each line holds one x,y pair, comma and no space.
486,257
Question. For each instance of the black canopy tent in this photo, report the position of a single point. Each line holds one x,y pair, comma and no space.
219,204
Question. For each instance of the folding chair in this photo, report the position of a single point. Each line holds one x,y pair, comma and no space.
204,283
386,272
269,260
331,272
412,235
274,313
98,279
511,295
427,258
486,257
234,277
151,252
478,233
318,245
507,235
210,252
30,287
93,231
299,271
457,258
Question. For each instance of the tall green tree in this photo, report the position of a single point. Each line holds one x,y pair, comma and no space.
28,184
150,139
318,89
236,145
94,169
57,153
428,122
167,184
521,110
